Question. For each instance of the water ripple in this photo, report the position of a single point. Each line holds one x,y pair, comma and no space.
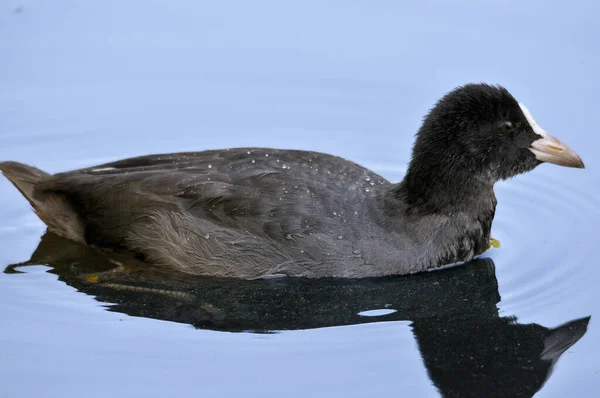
545,224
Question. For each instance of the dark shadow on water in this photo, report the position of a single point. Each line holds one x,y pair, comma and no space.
467,348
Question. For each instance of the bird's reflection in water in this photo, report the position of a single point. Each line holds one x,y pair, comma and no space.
467,348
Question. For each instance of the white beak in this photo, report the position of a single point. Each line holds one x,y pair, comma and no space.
549,149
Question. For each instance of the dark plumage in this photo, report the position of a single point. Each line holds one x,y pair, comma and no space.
254,212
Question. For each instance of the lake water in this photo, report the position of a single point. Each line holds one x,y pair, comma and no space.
88,82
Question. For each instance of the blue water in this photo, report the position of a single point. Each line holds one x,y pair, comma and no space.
87,82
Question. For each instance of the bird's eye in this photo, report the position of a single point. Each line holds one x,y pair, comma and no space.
508,126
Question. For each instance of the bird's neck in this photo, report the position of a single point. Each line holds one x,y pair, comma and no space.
432,192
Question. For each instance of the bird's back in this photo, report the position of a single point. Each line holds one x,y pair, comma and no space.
244,212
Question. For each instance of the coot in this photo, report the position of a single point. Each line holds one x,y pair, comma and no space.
256,212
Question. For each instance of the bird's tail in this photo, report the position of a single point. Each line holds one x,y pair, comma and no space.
51,207
24,178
